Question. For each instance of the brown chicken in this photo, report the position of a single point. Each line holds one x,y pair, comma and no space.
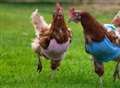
99,43
52,41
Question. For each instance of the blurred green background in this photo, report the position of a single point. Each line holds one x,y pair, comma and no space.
18,61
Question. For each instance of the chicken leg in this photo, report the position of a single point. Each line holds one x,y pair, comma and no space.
54,67
39,64
99,69
116,72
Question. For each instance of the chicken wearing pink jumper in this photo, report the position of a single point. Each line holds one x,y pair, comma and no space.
52,41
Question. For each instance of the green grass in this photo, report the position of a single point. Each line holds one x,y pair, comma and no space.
18,62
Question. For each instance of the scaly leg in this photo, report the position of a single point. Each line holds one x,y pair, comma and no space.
101,82
39,64
54,67
99,69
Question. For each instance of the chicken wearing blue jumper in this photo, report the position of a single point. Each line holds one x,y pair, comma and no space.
98,42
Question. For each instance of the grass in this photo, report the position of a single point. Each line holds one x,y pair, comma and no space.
18,62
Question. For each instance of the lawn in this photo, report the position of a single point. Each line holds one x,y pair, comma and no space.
18,62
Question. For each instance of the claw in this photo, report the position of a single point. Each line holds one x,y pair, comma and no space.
53,74
101,82
39,67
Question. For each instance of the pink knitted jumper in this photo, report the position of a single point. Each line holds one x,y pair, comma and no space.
54,51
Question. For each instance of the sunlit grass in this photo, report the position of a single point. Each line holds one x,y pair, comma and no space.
18,62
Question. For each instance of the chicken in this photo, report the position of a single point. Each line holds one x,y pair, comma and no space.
99,43
52,41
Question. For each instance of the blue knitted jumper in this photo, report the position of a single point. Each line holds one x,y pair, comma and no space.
104,50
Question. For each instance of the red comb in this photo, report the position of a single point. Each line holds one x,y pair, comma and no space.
71,12
58,7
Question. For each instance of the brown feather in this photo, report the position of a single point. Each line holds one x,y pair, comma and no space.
60,31
94,29
57,31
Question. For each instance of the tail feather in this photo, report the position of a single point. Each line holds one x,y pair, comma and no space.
38,22
34,13
35,17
